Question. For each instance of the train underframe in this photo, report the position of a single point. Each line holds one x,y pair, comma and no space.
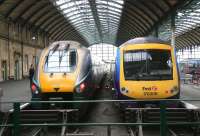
149,111
79,109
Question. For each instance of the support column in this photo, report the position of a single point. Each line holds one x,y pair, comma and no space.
22,51
156,31
173,28
9,50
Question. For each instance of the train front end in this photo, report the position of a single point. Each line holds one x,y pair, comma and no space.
147,71
63,73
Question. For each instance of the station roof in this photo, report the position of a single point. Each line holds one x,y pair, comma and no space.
187,23
102,21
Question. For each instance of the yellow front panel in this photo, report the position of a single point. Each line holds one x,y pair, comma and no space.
148,89
48,83
58,80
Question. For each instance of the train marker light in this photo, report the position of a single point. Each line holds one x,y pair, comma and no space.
82,87
33,87
174,89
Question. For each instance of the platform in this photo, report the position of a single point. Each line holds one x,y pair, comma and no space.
15,91
190,92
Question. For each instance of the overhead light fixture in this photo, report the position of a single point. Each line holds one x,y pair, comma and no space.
33,38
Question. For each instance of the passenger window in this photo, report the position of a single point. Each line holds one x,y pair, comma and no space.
60,61
72,58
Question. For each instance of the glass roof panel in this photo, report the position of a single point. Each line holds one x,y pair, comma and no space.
82,17
109,15
187,19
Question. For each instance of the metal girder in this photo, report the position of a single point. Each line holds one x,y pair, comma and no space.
79,21
167,14
64,33
146,10
63,36
61,27
41,15
46,17
13,8
69,35
167,3
177,44
34,13
184,40
26,10
72,36
49,22
98,12
139,12
64,3
191,16
2,1
180,43
55,24
58,26
149,10
135,20
190,21
190,38
70,7
187,43
136,16
193,35
182,30
157,6
112,19
129,27
126,28
140,22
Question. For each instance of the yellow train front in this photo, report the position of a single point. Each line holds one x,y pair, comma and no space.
146,68
65,72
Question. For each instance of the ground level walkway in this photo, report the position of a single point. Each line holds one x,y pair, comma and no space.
15,91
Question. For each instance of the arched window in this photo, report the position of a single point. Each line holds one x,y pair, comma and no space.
106,52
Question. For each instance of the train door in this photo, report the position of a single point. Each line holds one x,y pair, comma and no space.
4,70
17,70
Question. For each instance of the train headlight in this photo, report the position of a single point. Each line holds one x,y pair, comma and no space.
124,90
175,89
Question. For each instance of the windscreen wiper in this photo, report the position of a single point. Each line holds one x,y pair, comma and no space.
63,52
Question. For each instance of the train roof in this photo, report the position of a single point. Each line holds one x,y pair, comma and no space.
142,40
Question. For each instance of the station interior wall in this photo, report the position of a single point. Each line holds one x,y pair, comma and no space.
19,48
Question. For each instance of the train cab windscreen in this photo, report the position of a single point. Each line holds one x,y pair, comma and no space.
148,65
60,61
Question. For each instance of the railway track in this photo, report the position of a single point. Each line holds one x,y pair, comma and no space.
28,115
186,113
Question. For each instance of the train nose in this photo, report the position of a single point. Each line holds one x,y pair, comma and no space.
56,89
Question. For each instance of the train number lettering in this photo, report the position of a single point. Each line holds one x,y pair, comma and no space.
150,93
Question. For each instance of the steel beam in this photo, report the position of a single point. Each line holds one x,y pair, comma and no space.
13,8
43,14
17,18
46,17
96,17
2,1
173,16
36,12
